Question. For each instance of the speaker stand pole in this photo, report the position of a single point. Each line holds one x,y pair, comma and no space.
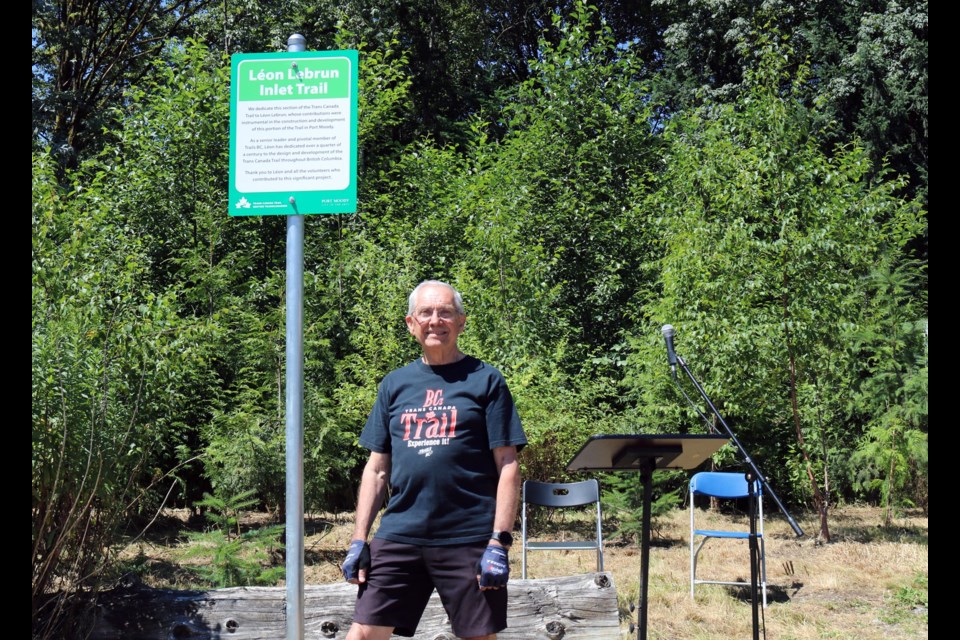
647,466
754,555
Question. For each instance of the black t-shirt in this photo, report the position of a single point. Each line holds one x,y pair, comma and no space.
439,424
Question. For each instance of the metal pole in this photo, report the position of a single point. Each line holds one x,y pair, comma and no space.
294,414
754,556
647,466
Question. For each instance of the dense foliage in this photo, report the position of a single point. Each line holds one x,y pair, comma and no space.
583,174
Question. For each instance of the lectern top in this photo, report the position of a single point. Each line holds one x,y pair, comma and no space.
626,452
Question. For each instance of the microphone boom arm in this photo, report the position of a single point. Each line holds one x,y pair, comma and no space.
746,457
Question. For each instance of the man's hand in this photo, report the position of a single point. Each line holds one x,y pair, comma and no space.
494,568
357,563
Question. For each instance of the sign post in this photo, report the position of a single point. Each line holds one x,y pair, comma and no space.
293,151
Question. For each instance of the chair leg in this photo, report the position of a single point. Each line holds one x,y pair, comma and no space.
693,567
694,554
763,572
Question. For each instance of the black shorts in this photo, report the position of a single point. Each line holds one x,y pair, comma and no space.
402,578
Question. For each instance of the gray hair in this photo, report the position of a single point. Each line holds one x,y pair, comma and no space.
412,300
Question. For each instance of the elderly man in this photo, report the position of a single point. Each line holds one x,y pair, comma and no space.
443,436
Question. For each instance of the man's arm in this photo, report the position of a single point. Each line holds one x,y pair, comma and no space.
493,570
508,488
373,488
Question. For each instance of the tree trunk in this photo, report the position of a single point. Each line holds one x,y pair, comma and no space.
571,607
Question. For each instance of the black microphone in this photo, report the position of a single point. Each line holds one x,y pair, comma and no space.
667,332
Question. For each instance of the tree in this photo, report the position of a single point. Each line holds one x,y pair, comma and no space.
166,173
892,456
766,242
238,556
865,68
871,59
110,361
86,53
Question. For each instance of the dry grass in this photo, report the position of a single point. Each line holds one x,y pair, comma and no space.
854,587
869,583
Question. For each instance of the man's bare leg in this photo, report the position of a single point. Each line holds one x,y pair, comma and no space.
369,632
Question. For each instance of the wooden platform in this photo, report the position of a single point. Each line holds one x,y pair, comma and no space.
576,607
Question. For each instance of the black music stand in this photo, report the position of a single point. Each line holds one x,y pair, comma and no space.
644,453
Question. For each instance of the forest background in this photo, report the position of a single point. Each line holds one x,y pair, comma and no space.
753,173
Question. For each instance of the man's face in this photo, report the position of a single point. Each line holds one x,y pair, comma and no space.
435,321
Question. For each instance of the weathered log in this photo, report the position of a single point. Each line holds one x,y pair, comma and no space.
578,607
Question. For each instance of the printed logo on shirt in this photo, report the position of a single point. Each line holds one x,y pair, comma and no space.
432,424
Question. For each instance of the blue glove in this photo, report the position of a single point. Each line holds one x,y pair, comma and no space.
494,567
358,557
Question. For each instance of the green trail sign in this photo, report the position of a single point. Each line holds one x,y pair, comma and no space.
293,133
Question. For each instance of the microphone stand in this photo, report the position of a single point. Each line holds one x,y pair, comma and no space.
706,420
765,486
746,457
